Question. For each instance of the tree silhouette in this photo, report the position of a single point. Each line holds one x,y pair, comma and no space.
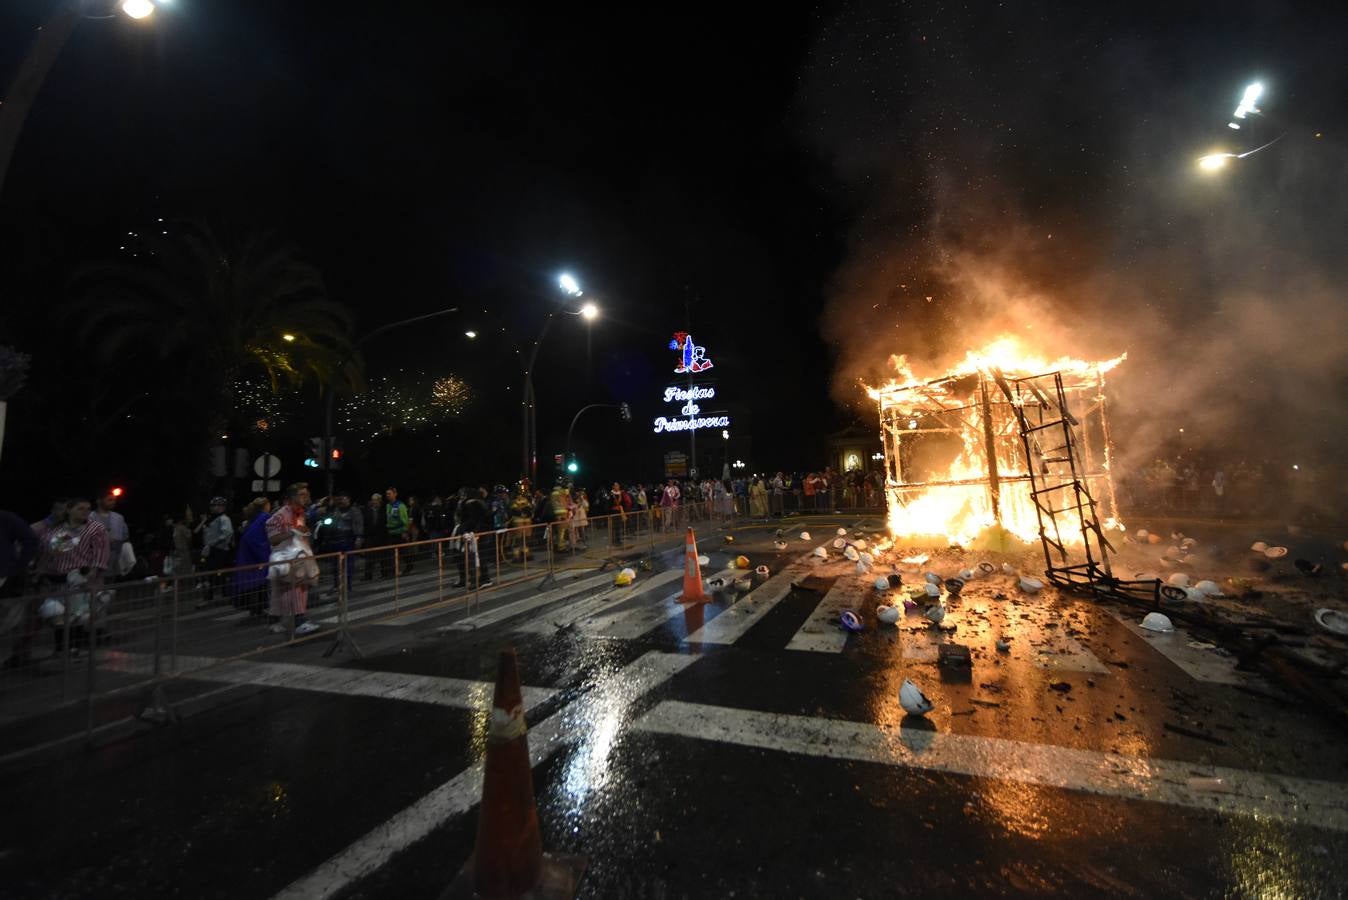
213,316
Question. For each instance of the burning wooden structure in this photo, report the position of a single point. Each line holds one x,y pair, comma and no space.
1004,443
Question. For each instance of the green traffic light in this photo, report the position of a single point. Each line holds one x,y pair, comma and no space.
573,467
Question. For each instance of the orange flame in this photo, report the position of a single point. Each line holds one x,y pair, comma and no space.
956,503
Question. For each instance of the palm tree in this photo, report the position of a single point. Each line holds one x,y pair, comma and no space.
214,316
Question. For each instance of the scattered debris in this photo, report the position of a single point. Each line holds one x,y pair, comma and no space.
1306,567
881,584
888,615
1003,646
1157,622
1196,735
894,579
1172,594
919,560
804,535
913,701
821,552
1258,547
954,656
779,545
1061,687
842,532
741,562
1179,579
935,614
1275,552
1031,585
704,560
851,621
1332,620
625,577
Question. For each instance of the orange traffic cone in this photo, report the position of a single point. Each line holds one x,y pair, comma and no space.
692,574
508,860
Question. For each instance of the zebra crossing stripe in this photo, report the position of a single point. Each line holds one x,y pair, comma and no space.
735,622
1294,800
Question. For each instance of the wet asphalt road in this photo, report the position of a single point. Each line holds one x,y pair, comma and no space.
726,765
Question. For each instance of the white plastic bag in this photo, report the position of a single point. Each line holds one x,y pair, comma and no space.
293,563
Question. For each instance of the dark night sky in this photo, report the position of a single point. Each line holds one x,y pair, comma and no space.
782,169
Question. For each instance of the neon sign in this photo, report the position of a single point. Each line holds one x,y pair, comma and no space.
692,358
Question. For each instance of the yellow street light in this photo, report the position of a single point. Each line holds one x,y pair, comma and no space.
137,9
1214,161
470,334
288,338
590,312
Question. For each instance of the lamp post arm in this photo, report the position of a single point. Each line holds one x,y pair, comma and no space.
576,418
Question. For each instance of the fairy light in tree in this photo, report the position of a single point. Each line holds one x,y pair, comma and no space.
451,394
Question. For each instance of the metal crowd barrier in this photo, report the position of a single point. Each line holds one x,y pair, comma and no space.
146,632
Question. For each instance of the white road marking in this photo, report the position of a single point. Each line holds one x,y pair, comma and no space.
565,588
1305,801
821,633
594,605
735,622
633,622
457,693
578,722
1201,665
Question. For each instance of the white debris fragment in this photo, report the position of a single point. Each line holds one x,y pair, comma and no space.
913,701
1158,622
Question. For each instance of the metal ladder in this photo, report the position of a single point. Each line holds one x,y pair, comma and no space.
1062,500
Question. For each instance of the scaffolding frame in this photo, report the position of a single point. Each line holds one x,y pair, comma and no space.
1049,431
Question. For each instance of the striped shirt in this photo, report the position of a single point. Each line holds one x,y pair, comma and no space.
66,548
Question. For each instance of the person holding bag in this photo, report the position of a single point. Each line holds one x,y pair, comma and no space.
293,567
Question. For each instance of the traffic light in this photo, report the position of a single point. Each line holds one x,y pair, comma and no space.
314,450
335,455
625,411
557,459
573,467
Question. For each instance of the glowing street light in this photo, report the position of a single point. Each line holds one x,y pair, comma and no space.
470,335
1214,161
569,284
288,338
137,9
589,312
1249,99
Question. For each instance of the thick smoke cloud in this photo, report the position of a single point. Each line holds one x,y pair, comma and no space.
1035,176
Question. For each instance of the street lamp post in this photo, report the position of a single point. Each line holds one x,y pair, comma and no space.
332,389
589,312
28,78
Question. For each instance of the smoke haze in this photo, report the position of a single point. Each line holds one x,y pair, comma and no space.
1034,174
